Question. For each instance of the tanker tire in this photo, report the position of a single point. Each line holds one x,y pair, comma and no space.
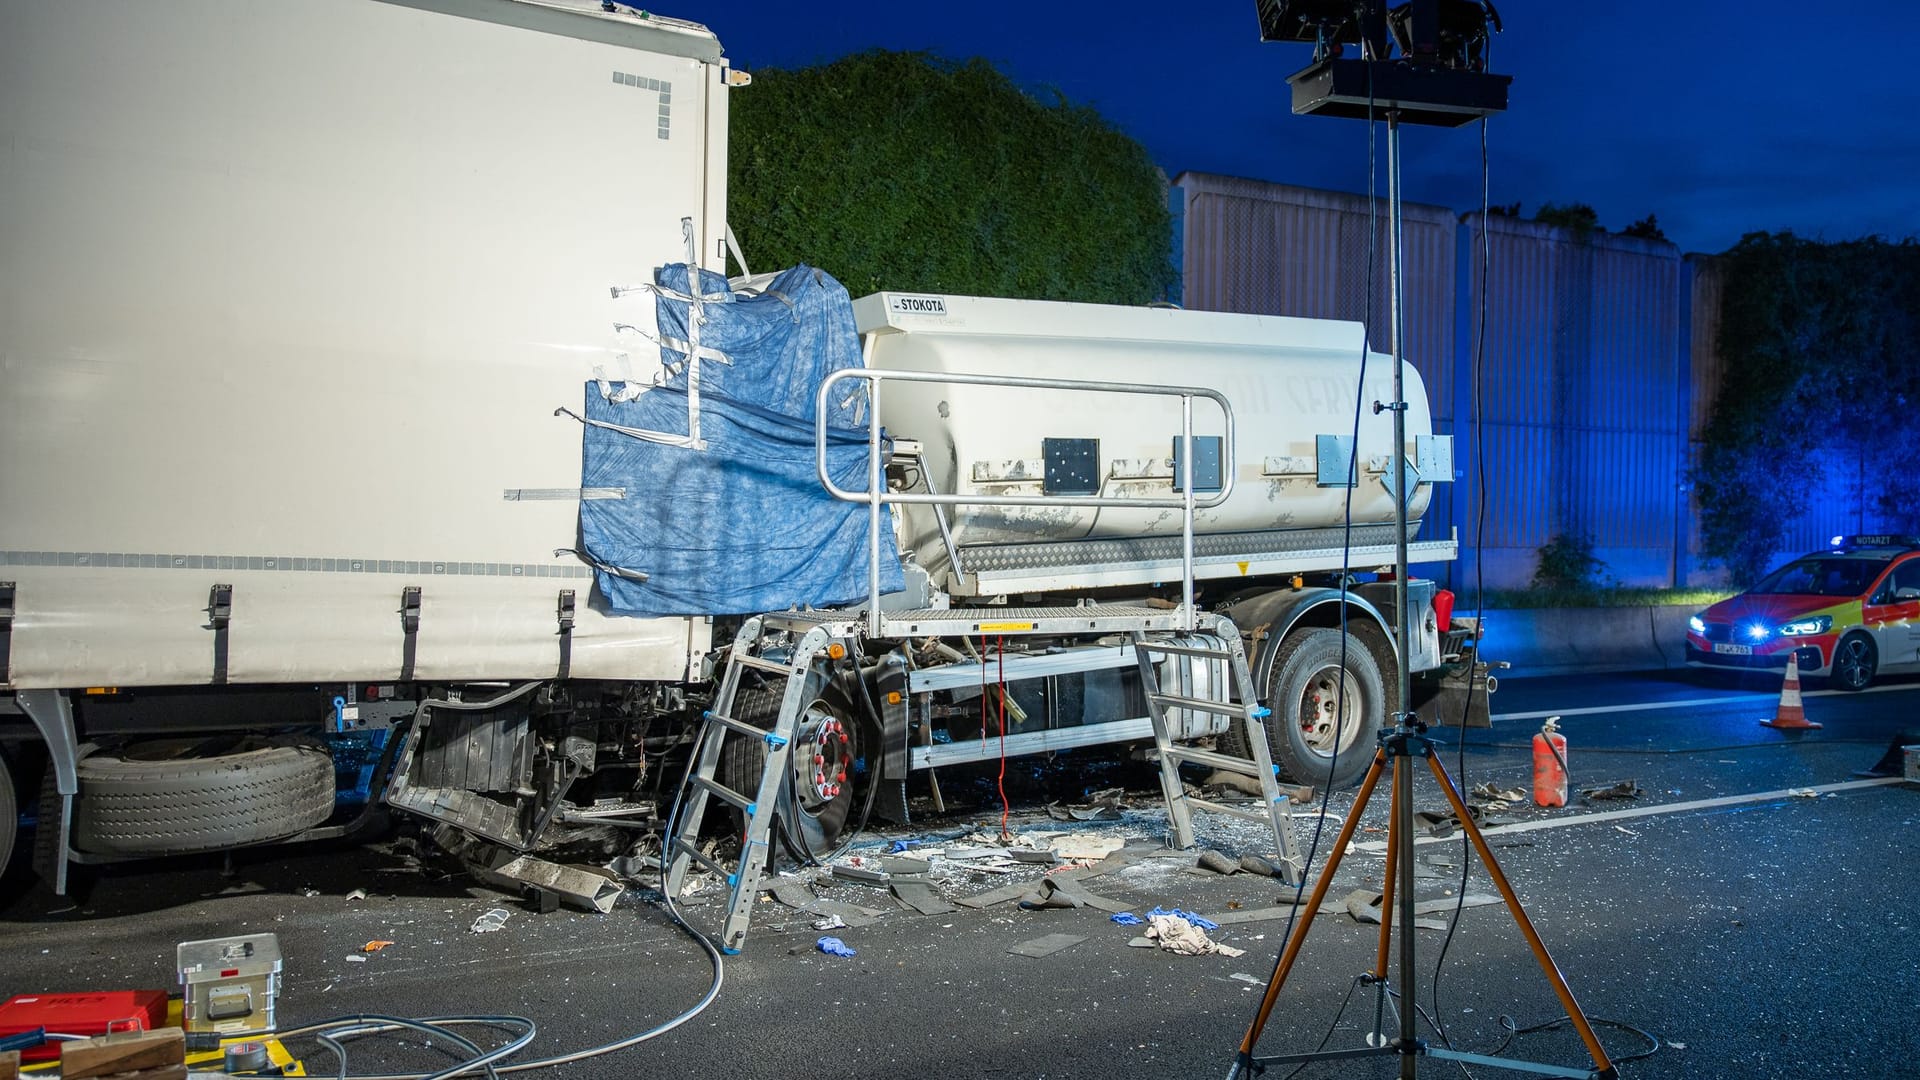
147,799
1233,741
1301,693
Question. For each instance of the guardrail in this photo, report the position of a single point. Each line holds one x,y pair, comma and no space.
877,495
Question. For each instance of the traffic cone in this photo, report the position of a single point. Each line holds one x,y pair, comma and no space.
1790,716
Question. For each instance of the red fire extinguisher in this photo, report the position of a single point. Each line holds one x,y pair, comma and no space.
1550,765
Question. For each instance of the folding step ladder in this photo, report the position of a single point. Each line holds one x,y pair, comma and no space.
1246,710
682,851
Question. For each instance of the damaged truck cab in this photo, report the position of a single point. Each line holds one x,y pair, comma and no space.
371,438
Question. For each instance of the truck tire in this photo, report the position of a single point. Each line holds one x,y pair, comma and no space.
9,815
176,796
1305,729
809,824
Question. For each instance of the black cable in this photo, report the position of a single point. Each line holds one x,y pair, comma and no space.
1480,584
1282,712
1331,1028
1513,1032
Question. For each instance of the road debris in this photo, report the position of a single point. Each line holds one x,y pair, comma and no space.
796,895
865,869
1364,906
1493,798
1174,934
1217,863
1125,918
833,946
920,896
1254,864
587,888
1088,848
493,919
831,922
1625,789
1200,921
357,894
375,946
1047,946
1064,892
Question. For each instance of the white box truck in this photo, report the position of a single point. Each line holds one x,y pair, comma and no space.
298,302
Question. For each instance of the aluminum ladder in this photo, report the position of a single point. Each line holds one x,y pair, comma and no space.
1278,812
702,786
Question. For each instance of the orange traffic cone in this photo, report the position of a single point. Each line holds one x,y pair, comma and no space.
1790,716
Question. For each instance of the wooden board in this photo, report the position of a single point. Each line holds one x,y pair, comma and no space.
131,1052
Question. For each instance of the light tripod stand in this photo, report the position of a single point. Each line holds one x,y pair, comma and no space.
1440,80
1400,746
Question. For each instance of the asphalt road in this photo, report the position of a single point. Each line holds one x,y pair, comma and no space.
1754,936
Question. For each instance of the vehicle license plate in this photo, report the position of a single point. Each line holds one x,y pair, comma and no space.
1732,650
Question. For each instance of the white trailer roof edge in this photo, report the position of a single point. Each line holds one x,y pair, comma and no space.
630,28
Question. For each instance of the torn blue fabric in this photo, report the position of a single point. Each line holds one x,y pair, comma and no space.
779,343
1197,920
744,525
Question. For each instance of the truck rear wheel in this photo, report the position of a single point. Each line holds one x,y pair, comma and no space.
1318,734
175,796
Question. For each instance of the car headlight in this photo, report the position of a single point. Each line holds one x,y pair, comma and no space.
1801,628
1694,624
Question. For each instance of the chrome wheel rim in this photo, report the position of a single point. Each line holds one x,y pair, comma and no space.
1326,720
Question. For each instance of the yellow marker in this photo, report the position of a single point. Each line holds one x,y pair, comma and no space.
836,651
1004,627
893,697
1243,568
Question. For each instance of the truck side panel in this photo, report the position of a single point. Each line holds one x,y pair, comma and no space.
292,293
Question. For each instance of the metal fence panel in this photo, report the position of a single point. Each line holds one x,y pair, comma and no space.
1275,249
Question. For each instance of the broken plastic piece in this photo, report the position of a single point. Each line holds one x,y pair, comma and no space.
375,946
492,920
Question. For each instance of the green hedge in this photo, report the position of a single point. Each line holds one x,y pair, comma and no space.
902,171
1820,349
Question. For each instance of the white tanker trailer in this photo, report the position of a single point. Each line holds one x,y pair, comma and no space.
297,523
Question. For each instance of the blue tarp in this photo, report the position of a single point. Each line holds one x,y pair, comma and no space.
742,526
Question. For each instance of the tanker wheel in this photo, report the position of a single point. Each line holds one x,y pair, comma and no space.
1324,729
816,795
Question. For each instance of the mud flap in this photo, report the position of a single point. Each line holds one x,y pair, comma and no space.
890,696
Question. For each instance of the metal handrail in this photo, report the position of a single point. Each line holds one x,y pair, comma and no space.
876,494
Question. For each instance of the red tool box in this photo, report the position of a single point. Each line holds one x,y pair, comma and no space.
80,1014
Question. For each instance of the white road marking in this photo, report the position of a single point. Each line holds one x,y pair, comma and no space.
1724,699
1490,832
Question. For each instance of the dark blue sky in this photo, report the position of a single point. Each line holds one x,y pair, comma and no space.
1721,117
